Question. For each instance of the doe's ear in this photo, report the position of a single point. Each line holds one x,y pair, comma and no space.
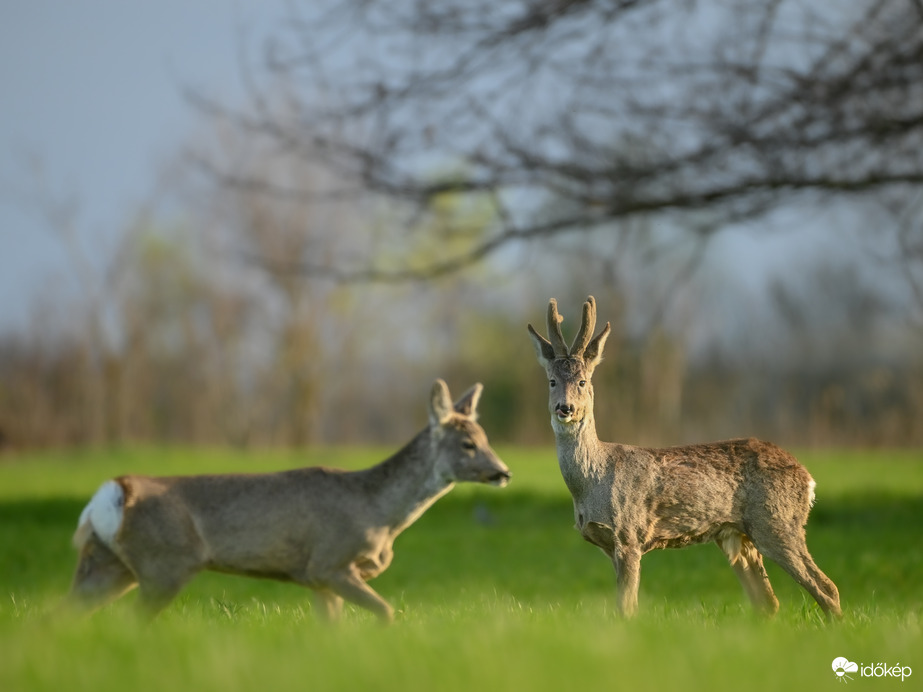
467,404
440,403
544,351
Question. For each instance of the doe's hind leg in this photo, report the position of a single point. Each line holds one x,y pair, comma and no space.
154,597
100,577
160,579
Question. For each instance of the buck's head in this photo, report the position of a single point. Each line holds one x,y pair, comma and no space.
570,370
462,450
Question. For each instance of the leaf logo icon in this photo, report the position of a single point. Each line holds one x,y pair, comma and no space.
842,666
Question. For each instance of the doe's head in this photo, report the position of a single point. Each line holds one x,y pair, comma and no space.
462,450
570,370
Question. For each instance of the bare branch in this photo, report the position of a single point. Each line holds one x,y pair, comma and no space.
600,111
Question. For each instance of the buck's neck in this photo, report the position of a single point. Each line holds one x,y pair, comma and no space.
406,484
579,450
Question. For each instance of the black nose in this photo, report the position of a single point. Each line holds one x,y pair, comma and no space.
566,409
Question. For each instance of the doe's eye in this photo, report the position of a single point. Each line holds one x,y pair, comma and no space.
469,445
552,383
582,383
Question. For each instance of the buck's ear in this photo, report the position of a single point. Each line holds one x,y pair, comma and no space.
594,350
440,403
544,351
467,405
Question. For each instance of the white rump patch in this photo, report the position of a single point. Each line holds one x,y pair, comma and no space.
104,512
811,496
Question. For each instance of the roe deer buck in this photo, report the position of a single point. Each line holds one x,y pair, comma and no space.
327,529
750,497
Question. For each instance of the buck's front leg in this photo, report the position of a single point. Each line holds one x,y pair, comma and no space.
627,562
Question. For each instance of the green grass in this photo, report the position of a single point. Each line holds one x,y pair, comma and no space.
495,588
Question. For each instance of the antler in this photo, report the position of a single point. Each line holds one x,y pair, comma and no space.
586,328
554,329
585,346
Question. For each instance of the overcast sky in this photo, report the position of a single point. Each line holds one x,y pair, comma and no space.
92,91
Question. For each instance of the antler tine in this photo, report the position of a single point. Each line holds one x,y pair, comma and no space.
586,328
554,329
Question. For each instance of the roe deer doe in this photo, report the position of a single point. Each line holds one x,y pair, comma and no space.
327,529
750,497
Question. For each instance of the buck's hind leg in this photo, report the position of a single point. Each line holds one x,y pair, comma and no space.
101,577
789,550
806,572
747,564
752,575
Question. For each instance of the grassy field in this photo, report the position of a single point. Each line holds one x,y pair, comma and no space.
496,592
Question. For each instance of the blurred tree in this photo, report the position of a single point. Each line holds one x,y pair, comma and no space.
621,108
87,397
907,214
170,377
394,141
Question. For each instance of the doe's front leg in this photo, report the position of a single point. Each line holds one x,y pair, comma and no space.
348,584
328,604
351,587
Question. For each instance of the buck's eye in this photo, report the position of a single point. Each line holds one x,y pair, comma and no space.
552,383
582,383
469,445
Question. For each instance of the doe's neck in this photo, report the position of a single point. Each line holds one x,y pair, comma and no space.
407,484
